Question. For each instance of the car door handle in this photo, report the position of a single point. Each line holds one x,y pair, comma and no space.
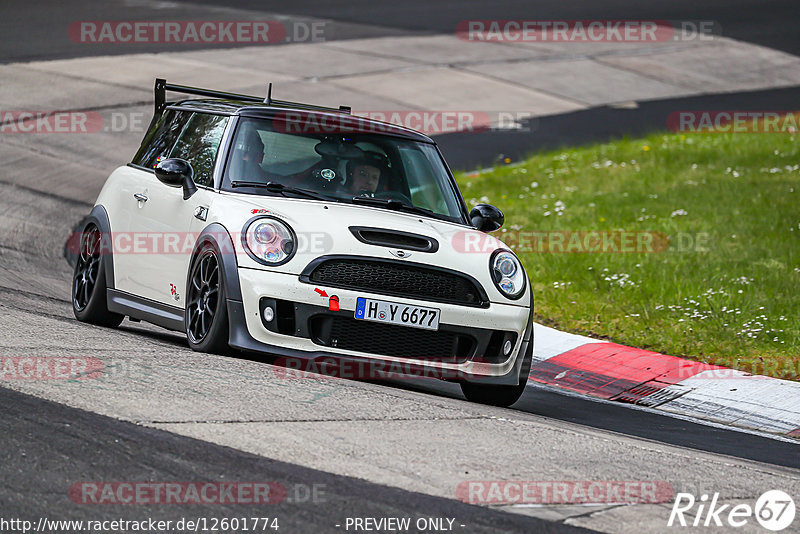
141,197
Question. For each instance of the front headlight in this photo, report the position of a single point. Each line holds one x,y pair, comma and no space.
507,273
268,240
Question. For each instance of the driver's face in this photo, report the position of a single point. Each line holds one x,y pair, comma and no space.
365,178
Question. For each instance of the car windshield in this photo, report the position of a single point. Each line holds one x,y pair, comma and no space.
360,168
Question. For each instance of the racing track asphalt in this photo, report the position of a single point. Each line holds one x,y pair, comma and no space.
27,28
48,447
644,423
469,150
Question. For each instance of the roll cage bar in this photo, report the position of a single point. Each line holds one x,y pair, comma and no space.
161,88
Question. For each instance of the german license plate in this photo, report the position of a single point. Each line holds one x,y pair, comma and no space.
389,312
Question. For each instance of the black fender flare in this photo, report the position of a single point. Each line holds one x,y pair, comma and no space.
526,363
522,365
99,217
218,237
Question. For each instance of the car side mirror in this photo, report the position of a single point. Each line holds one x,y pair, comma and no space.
486,218
176,172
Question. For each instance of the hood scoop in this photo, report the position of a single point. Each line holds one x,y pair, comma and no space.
394,239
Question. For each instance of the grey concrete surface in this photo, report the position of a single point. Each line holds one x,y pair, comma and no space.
433,73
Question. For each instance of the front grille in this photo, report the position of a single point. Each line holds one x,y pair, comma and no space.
403,280
391,340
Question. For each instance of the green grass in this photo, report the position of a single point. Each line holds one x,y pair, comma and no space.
733,300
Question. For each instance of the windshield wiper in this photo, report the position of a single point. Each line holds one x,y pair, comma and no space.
276,187
393,204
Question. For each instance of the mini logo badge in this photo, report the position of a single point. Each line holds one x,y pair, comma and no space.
400,253
328,174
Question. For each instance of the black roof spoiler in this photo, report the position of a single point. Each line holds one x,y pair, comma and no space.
161,88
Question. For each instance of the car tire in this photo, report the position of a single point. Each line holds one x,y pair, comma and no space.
206,317
503,396
89,299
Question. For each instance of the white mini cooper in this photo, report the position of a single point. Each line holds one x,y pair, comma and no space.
305,233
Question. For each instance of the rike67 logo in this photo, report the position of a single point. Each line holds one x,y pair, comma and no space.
774,510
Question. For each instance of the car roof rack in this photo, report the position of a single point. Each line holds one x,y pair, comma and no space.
161,88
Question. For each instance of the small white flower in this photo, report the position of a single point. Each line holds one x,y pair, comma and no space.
679,213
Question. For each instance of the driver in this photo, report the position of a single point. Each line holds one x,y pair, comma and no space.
364,174
250,153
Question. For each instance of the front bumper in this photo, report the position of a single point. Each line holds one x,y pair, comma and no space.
250,333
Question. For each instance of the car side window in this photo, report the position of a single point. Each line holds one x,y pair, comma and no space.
423,185
160,138
199,143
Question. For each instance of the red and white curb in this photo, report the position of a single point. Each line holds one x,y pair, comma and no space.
682,387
